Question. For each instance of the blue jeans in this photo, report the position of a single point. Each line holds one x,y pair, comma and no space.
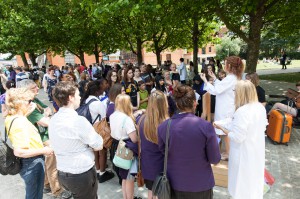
33,174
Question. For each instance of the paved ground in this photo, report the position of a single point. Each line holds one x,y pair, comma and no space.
282,161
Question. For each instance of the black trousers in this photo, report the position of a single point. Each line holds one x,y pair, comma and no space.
192,195
82,186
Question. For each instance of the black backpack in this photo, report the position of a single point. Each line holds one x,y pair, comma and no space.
9,163
35,75
84,111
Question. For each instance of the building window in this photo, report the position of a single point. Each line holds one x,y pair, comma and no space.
69,58
209,49
168,57
203,51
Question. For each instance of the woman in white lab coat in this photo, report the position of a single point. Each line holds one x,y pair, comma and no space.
247,144
224,92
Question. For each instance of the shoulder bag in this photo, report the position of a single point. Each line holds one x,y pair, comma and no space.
161,186
9,163
124,156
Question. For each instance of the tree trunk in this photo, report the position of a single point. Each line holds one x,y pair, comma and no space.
195,44
256,23
96,53
32,58
139,51
157,53
81,57
24,59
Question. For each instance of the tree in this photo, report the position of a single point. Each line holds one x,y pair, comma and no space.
247,19
228,47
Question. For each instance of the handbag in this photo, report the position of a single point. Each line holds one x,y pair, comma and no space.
161,186
139,177
103,129
9,163
123,157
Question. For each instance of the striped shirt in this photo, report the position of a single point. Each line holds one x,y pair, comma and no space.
21,76
73,139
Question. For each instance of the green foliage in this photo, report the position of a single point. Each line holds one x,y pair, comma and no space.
228,47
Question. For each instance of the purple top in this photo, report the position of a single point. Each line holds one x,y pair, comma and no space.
2,99
152,160
193,147
110,109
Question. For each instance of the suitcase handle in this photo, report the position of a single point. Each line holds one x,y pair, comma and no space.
288,129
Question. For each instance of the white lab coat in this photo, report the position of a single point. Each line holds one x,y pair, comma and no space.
224,92
247,152
182,71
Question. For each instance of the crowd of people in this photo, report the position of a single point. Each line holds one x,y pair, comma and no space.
62,153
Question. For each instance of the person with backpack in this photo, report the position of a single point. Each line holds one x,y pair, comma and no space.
36,77
26,141
98,112
73,140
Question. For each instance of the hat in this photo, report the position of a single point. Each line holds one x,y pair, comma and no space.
197,78
10,84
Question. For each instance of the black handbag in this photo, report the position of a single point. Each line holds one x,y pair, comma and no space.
9,163
161,186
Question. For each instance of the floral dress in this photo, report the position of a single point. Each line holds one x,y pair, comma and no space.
50,85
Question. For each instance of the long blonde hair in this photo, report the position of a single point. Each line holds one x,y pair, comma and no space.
17,99
156,113
123,104
245,93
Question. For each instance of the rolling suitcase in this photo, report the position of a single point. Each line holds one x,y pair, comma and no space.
280,127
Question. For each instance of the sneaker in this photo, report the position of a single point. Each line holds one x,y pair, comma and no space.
46,190
106,176
65,195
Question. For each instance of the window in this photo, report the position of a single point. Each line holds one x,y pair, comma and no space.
168,57
209,49
69,58
203,51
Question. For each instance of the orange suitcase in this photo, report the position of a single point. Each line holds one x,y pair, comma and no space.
280,127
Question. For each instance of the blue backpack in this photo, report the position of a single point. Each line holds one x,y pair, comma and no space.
84,111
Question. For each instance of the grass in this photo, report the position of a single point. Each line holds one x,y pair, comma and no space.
285,77
266,66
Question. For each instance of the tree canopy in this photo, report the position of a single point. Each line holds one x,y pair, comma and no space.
95,26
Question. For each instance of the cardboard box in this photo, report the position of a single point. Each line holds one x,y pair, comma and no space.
221,173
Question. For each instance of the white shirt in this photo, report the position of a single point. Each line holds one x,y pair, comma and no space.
96,108
73,139
247,152
182,71
104,99
121,125
224,92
